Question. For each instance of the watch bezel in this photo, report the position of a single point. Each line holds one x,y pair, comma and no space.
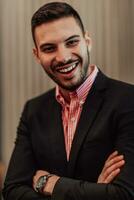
41,183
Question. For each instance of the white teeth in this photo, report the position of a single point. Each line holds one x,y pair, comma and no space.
68,69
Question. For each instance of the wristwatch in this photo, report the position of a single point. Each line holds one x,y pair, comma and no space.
42,182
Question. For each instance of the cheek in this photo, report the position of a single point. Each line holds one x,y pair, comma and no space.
85,55
45,62
82,50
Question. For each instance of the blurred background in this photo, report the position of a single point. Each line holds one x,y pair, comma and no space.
111,26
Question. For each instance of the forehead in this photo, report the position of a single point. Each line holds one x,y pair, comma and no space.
57,30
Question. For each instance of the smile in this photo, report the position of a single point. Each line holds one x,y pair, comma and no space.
68,69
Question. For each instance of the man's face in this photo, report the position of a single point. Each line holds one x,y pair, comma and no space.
62,50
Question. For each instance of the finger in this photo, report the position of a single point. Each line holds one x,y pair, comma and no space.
112,156
113,168
110,173
115,153
108,169
113,161
112,176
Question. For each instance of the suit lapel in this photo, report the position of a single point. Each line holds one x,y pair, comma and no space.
56,136
90,110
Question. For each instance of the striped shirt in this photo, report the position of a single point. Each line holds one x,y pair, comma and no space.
71,112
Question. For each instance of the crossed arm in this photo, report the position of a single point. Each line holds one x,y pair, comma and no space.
23,166
110,170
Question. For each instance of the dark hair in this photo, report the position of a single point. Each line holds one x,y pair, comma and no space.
53,11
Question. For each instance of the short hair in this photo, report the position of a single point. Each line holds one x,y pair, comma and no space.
53,11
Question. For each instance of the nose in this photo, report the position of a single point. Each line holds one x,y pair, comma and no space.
63,54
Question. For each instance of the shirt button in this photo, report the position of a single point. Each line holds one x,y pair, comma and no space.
72,119
81,102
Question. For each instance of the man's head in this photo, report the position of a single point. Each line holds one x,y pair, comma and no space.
61,44
53,11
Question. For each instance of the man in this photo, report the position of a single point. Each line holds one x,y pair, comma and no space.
66,136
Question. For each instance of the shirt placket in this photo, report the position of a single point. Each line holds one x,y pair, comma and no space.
73,111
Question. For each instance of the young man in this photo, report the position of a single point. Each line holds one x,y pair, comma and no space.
66,135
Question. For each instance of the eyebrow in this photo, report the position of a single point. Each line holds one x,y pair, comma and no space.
72,37
49,44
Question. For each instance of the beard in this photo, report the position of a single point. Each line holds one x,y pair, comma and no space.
82,75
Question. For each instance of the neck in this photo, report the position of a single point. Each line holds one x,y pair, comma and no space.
65,92
66,95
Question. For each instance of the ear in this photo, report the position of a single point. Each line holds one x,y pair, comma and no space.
36,54
88,40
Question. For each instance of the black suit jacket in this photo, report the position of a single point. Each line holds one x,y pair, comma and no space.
106,124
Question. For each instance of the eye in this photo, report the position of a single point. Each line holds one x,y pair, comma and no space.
48,49
72,43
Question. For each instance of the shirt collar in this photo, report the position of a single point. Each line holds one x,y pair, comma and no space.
81,92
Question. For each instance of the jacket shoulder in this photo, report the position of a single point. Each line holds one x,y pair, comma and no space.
50,94
121,87
40,103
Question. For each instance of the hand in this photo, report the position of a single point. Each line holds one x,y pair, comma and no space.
37,175
48,189
111,168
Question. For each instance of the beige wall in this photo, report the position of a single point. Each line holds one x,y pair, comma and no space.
110,23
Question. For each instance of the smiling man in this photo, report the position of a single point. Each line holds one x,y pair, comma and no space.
63,52
75,142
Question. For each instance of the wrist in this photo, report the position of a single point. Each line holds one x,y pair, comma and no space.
48,188
41,182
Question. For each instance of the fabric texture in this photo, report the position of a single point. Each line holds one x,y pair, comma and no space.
71,112
106,124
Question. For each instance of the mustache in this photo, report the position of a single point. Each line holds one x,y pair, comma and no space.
63,63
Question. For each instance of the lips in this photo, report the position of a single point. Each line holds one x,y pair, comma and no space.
67,68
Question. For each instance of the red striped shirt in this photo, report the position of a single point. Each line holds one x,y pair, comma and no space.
71,112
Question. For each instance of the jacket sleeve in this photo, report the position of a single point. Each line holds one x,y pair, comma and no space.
22,167
122,188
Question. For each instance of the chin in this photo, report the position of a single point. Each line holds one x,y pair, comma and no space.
71,87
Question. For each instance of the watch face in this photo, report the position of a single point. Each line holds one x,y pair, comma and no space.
40,183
